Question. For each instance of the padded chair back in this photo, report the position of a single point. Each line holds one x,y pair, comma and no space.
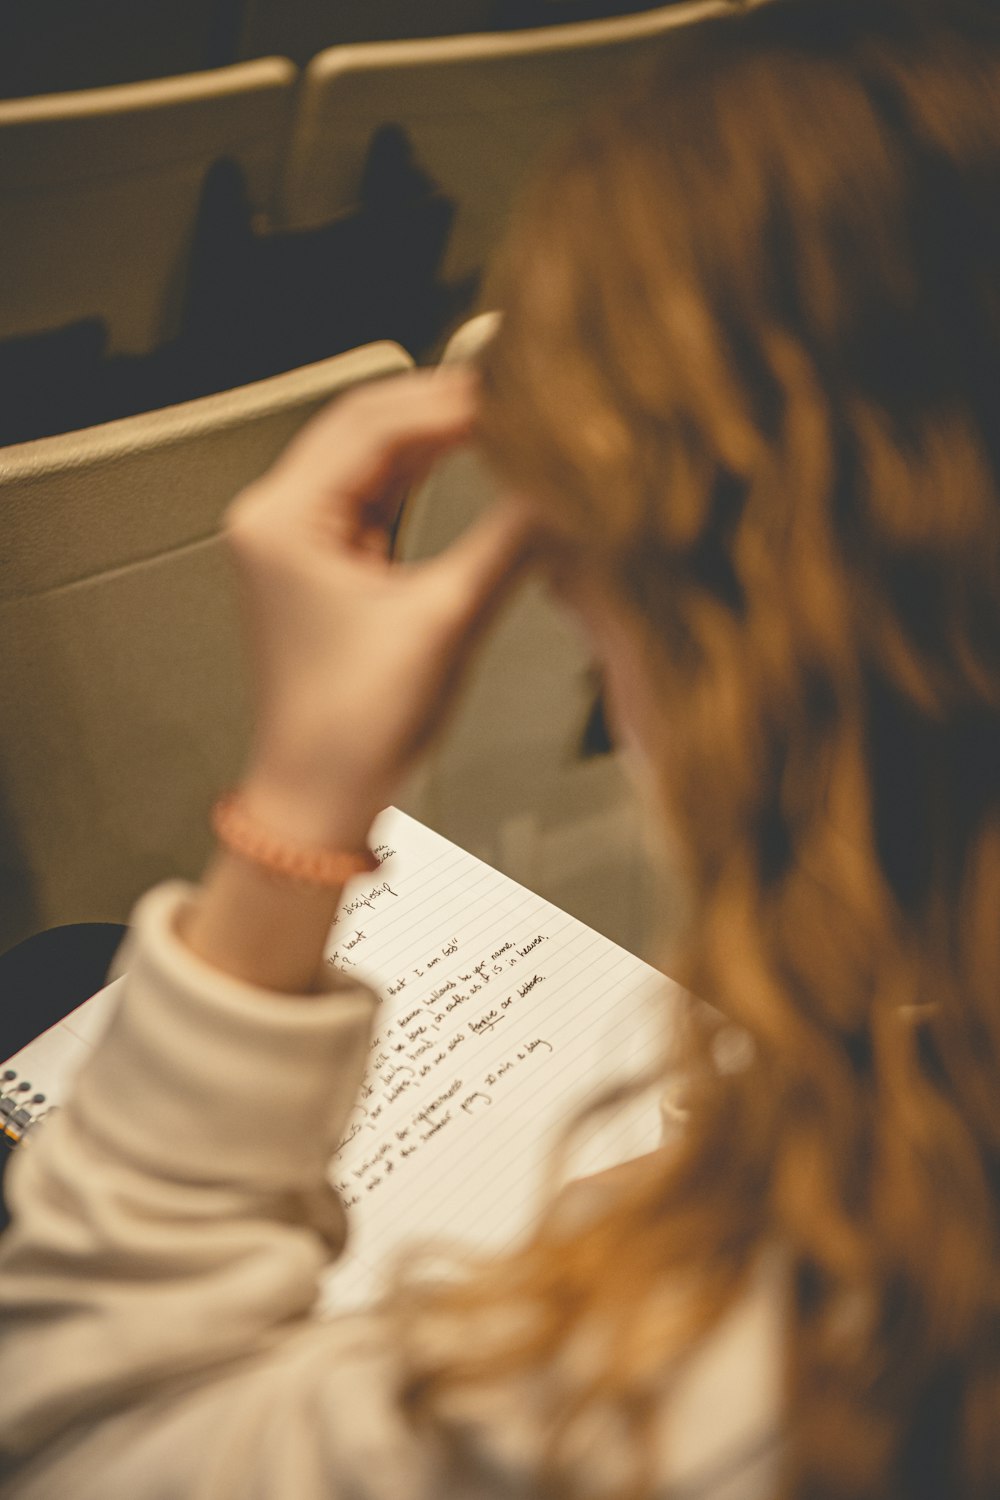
512,777
122,698
476,111
101,190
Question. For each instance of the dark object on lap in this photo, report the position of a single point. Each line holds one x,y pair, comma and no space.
46,976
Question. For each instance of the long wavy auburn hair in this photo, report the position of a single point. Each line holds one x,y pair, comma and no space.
750,364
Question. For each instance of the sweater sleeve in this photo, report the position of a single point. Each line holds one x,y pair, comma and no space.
175,1215
159,1278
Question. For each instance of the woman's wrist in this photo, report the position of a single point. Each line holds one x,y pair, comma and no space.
288,807
266,931
251,920
254,919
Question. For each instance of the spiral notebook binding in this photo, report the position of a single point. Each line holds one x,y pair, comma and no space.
20,1109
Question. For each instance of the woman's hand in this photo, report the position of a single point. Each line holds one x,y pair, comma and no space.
354,657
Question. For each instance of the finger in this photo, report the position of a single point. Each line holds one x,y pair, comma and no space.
478,570
376,399
470,580
362,449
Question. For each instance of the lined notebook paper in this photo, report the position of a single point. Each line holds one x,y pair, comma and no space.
500,1016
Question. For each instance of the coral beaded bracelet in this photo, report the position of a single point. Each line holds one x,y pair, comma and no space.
325,869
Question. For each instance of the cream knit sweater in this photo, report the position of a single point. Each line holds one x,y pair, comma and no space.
157,1285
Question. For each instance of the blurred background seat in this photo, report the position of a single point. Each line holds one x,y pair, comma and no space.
403,161
523,775
122,695
100,192
55,46
472,112
177,237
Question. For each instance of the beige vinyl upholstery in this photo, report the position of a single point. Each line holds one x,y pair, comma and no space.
507,778
122,697
476,109
100,191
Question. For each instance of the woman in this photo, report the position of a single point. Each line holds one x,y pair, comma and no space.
746,392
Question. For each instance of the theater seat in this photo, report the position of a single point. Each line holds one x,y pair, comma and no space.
100,191
475,112
122,697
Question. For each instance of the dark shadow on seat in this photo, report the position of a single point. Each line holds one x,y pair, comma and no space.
263,303
46,976
52,381
257,304
18,896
